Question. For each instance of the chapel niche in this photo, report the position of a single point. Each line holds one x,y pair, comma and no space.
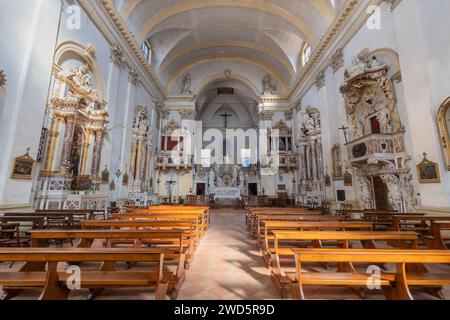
311,157
376,147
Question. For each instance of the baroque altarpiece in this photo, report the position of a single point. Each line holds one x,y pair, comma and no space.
76,119
376,149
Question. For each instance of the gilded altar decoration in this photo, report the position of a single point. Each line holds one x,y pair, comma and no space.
2,79
23,167
444,130
428,171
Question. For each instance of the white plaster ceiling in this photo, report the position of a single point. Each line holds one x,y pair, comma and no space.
266,34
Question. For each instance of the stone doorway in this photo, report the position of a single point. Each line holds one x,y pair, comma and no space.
380,191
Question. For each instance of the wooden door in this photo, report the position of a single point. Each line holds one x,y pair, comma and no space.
380,191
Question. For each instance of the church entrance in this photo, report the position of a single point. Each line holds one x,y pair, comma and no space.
380,191
252,189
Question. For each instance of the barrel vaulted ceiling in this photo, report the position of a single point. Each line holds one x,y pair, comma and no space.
250,38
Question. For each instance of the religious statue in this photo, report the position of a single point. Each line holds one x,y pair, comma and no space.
268,87
81,77
212,178
242,182
186,86
365,192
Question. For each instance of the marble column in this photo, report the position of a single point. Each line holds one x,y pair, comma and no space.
65,164
320,158
133,159
96,159
314,160
138,160
84,155
52,139
304,162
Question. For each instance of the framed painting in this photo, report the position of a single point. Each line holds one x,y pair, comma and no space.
348,179
428,171
23,167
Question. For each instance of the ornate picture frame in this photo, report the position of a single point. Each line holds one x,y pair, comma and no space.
336,157
428,171
23,167
348,179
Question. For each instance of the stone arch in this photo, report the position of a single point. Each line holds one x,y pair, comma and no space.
86,53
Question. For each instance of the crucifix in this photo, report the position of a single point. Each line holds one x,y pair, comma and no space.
344,129
170,183
225,118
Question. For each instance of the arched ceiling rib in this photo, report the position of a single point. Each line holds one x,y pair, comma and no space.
267,34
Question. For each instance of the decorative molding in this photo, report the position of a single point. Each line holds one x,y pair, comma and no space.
337,60
265,115
320,80
394,3
133,77
117,56
123,31
187,114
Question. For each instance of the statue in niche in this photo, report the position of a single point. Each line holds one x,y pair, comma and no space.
235,176
268,87
140,122
186,85
212,178
242,181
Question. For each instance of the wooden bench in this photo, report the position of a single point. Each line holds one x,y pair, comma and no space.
437,240
285,241
396,285
166,239
384,219
264,239
164,217
54,282
260,219
419,224
203,211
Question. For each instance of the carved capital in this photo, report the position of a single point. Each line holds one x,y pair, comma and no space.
117,56
133,76
320,80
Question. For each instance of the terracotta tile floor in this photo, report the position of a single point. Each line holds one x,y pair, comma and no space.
227,266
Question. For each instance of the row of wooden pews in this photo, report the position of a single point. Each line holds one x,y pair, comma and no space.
150,248
303,248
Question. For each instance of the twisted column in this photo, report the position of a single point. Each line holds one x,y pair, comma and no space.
65,164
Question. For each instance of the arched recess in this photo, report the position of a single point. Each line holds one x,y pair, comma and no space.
391,58
444,125
204,60
221,77
86,53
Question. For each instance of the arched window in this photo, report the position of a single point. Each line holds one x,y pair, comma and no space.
146,49
306,53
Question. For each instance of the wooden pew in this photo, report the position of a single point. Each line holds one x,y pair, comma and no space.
419,224
383,219
266,239
437,240
164,217
26,223
203,211
252,218
294,218
54,282
396,285
367,239
166,239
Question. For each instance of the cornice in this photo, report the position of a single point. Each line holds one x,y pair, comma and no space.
114,30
